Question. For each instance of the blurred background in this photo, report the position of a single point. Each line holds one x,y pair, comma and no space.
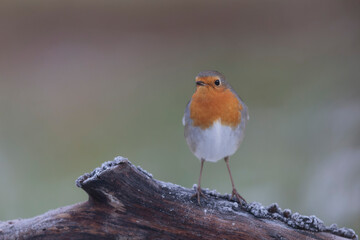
84,81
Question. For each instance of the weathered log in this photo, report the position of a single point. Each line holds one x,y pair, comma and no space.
126,202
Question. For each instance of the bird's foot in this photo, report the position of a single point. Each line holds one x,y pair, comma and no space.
197,194
240,199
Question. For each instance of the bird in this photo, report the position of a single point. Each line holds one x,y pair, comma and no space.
214,124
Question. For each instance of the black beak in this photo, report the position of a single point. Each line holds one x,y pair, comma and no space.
200,83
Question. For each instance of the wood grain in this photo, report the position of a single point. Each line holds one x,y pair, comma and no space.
125,202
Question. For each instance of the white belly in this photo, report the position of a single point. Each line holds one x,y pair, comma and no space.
216,142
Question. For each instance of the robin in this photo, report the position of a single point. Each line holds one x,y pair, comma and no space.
214,121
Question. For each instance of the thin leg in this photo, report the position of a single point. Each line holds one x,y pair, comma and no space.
198,190
234,191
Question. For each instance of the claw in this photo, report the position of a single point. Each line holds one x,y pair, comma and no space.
198,193
241,200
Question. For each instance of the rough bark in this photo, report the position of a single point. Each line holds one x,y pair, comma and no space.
125,202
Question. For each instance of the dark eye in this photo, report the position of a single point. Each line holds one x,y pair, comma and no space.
217,82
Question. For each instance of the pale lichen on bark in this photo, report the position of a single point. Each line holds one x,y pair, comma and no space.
126,202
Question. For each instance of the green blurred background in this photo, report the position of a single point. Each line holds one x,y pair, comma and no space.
84,81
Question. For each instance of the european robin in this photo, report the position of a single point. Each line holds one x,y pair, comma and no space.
214,121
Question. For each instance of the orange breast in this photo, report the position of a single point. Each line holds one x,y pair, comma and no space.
208,105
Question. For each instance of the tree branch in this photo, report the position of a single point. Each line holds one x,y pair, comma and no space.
125,202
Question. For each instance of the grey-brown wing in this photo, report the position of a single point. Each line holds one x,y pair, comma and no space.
244,111
186,116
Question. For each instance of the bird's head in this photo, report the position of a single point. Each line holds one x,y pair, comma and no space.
211,80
